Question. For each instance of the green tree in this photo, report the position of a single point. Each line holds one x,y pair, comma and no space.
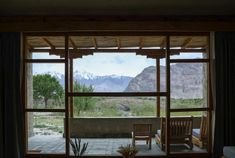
46,87
82,103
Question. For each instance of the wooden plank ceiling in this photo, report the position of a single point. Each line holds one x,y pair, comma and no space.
151,46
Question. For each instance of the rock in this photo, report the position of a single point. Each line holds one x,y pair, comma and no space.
123,107
186,80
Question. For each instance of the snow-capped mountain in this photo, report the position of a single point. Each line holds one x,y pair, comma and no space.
84,75
108,83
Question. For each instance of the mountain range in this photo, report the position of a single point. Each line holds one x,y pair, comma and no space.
108,83
186,81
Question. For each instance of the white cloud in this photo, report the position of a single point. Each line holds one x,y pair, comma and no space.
39,68
45,56
127,64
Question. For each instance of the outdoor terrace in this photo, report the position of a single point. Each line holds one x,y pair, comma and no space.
100,146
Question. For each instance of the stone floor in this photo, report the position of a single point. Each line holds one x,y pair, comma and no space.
98,146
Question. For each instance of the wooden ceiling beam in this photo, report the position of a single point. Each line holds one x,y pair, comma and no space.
79,53
94,42
121,25
49,43
205,46
151,55
75,55
156,55
72,43
71,54
186,43
118,42
121,50
28,46
141,43
163,43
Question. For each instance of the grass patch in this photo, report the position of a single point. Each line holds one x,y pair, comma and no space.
138,106
51,122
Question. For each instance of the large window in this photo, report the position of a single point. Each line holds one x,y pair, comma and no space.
76,85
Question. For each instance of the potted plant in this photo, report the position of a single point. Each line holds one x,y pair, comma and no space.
77,148
128,151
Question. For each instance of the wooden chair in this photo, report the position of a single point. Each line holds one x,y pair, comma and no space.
142,132
200,136
180,131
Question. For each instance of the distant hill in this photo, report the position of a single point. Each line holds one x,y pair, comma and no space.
186,81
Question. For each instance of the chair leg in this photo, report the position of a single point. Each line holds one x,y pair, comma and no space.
191,146
201,144
163,147
150,143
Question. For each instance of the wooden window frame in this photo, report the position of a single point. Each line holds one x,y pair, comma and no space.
68,82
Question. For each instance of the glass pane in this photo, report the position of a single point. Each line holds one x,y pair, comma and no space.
189,56
189,132
107,123
163,75
114,106
45,86
46,55
45,133
45,47
189,85
115,72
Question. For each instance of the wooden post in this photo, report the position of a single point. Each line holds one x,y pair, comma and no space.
158,85
168,95
67,131
71,86
24,95
209,97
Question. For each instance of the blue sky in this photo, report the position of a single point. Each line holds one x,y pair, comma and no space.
126,64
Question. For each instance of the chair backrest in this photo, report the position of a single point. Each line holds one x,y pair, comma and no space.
203,127
142,129
180,127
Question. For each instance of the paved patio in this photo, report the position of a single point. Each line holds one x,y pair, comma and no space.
98,146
